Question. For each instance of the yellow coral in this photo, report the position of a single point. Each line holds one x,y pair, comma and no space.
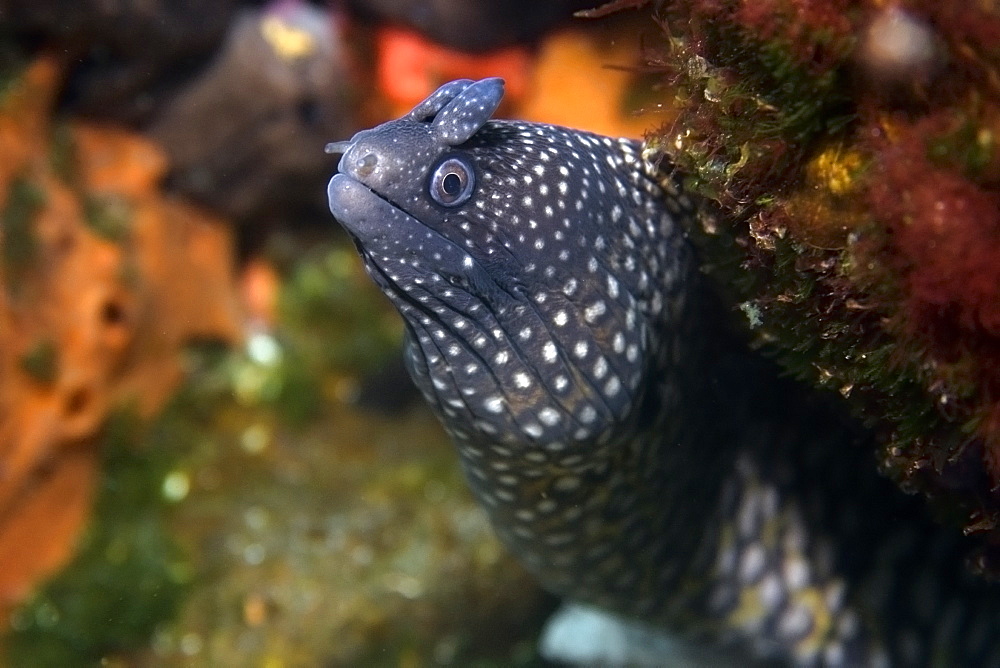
836,169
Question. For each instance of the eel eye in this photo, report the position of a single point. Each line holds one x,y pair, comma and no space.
452,182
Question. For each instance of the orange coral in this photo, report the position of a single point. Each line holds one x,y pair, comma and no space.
410,66
583,82
91,315
259,287
573,79
24,118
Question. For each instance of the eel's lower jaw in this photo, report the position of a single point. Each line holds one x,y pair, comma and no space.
386,233
363,213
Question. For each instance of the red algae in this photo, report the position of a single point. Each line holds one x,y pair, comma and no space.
797,22
945,249
972,32
947,231
851,149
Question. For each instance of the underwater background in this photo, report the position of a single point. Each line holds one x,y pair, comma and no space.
210,453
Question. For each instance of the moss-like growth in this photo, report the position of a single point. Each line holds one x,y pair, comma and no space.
109,216
62,154
328,320
748,106
19,246
42,361
337,329
128,575
857,219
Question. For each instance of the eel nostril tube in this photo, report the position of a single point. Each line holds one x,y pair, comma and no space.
337,147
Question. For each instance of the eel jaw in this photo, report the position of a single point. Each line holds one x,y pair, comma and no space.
382,228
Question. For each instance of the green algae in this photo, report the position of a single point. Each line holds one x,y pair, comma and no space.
787,150
811,310
128,575
20,247
336,328
62,155
107,216
334,315
971,147
755,110
42,361
749,108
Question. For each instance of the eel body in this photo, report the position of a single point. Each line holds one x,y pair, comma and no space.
626,451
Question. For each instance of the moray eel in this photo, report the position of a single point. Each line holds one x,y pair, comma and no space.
557,324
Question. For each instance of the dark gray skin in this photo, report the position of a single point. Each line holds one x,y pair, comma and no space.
557,324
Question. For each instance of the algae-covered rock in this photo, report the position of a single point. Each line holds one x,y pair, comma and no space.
849,150
128,574
103,280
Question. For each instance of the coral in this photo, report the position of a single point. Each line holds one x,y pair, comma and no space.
849,150
102,282
572,65
409,66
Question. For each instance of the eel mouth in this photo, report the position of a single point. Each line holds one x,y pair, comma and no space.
367,216
385,233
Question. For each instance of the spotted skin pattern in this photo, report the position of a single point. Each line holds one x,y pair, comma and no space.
556,324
